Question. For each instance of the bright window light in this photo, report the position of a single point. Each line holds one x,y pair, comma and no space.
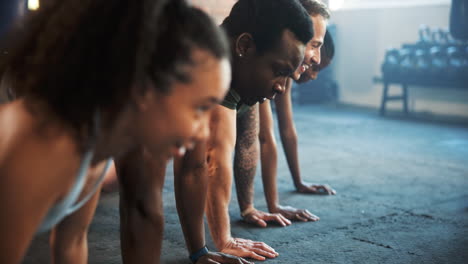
363,4
33,4
336,4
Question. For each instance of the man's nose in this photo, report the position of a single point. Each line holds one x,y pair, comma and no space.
316,57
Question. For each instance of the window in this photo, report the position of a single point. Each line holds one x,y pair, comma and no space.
361,4
33,4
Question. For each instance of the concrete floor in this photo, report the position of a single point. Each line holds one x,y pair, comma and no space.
402,196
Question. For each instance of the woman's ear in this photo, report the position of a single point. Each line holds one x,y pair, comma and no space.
245,45
141,95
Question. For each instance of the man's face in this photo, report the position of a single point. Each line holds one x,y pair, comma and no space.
265,75
312,72
309,68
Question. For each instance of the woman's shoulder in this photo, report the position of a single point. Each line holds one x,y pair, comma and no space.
35,171
26,137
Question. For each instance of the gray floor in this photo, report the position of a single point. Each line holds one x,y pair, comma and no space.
402,196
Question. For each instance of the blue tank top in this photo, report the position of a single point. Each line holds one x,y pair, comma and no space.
70,203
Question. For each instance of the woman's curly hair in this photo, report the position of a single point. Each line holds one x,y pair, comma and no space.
78,56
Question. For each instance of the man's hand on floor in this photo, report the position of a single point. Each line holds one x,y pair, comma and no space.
249,249
308,188
295,214
261,218
219,258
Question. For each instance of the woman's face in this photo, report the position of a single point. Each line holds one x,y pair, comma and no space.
173,122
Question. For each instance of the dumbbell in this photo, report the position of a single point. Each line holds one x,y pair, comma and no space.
424,34
408,71
444,36
439,64
465,67
422,66
391,64
434,36
456,60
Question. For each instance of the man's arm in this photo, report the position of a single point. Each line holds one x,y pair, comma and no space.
288,132
245,166
269,156
219,156
246,157
289,140
141,178
190,184
269,169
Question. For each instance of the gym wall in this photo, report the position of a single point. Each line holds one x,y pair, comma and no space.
218,9
363,35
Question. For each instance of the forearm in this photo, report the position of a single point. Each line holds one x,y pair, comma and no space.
220,147
217,203
190,184
141,179
288,132
140,234
269,158
244,174
289,142
246,158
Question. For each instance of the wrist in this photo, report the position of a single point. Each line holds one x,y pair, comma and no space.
274,208
198,254
298,184
247,211
222,242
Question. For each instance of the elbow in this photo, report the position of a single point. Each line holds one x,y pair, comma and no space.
150,211
267,139
289,133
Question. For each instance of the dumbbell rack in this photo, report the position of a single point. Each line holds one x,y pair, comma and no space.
386,97
414,65
403,96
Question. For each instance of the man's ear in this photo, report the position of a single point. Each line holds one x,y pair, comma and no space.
245,45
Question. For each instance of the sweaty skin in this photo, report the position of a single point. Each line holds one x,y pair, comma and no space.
269,153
